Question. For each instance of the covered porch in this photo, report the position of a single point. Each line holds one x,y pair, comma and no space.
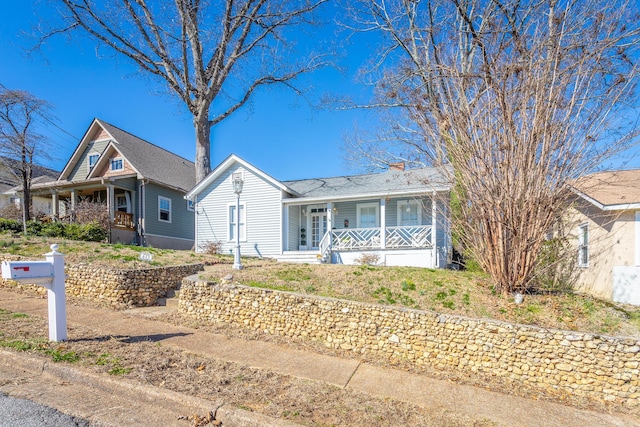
117,195
407,230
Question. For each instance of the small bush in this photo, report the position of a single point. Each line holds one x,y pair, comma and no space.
34,227
368,259
211,248
53,229
11,225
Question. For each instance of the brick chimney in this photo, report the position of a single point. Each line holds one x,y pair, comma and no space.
397,166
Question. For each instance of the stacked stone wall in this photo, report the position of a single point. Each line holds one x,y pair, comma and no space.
589,365
113,287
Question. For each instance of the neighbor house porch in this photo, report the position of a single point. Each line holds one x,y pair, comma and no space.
117,196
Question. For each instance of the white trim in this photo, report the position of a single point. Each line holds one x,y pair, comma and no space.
355,198
375,205
616,207
243,222
637,239
226,164
112,160
160,198
75,157
401,206
89,156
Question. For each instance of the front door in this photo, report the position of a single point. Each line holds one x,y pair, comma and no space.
318,226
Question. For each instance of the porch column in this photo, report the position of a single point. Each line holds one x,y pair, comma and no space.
110,200
434,221
74,198
330,221
383,223
133,205
55,208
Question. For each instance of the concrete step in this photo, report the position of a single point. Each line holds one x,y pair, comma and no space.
303,257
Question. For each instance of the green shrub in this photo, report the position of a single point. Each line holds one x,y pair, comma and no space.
34,227
53,229
89,232
11,225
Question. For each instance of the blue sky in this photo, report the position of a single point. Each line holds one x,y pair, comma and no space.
279,133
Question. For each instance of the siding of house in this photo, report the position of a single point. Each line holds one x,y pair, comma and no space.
182,221
611,243
294,228
263,214
81,168
127,183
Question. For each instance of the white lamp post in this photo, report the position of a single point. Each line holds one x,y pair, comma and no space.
237,181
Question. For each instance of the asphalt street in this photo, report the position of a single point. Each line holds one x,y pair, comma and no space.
25,413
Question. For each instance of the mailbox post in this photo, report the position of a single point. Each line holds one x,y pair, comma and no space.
50,274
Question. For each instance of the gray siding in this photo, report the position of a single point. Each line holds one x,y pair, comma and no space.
182,220
263,206
81,169
294,228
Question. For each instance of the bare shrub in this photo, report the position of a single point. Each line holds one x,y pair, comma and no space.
11,211
211,248
88,211
369,258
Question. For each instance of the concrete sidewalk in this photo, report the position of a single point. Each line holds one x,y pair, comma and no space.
506,410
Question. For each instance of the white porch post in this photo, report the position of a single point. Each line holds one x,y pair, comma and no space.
434,221
74,199
329,220
55,204
110,200
383,223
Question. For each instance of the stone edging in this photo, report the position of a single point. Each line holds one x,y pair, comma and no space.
589,365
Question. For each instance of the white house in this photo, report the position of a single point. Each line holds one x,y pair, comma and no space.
398,217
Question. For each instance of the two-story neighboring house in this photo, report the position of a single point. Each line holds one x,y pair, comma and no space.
143,186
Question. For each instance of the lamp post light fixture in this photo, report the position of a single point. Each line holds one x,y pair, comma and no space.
237,181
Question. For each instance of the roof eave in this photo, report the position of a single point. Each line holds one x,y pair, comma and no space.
365,196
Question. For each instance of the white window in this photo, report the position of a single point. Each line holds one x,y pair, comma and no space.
233,224
409,212
164,209
368,215
117,164
93,159
191,205
583,245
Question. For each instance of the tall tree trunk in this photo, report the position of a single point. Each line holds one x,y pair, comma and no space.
203,145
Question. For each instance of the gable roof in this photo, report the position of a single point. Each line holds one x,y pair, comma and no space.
226,164
611,190
393,182
148,160
10,172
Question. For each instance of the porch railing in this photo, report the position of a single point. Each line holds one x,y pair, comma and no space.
413,236
123,219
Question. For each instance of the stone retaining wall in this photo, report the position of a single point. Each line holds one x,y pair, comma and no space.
116,288
597,367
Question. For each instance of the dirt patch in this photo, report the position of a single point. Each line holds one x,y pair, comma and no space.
280,396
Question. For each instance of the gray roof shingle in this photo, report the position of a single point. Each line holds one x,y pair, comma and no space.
389,182
153,162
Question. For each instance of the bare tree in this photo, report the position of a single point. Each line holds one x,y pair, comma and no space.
212,54
20,114
519,97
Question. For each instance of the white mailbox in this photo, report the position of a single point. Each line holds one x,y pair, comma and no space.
50,274
32,272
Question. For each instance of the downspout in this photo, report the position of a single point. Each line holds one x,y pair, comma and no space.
143,212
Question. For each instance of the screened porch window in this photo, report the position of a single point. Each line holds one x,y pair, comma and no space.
368,215
409,212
